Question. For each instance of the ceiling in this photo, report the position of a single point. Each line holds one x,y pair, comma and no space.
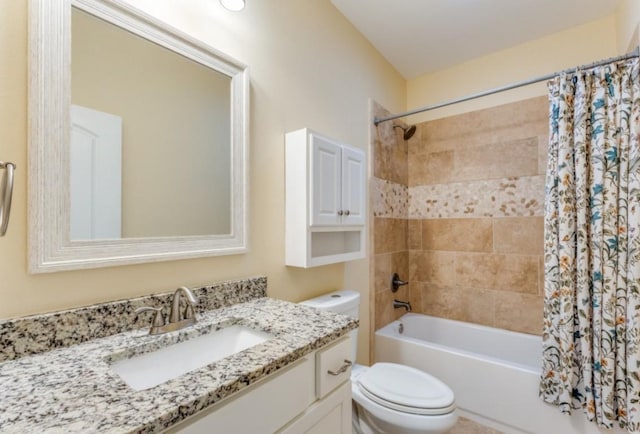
420,36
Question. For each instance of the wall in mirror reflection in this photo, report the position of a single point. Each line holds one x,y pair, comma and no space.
175,138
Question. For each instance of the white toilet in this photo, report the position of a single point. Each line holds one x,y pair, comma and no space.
390,398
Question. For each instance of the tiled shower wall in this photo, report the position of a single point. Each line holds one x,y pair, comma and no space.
465,224
390,205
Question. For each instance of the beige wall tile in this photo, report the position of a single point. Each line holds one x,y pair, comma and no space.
459,127
541,276
431,168
382,268
414,238
543,149
399,160
385,313
389,235
519,312
522,235
502,160
435,267
470,306
520,119
530,110
527,118
390,154
415,297
403,294
456,142
383,142
462,263
463,235
513,273
385,265
400,265
384,309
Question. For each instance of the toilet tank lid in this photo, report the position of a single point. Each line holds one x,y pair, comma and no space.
338,301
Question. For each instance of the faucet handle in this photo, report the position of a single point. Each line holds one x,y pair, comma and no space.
189,311
158,319
191,301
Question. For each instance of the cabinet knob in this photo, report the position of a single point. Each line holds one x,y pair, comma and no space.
347,212
340,212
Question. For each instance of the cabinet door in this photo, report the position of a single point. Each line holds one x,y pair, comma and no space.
325,182
331,415
353,186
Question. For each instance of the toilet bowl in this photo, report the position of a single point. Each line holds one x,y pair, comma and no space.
390,398
393,398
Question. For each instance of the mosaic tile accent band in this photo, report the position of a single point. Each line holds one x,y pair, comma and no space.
40,333
508,197
390,200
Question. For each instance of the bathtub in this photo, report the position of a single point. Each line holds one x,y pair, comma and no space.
494,373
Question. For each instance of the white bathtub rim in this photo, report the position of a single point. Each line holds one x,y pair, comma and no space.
465,324
390,331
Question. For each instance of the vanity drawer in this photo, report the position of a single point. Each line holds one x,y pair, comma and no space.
333,366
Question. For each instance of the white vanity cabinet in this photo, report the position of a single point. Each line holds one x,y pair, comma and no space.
302,398
325,200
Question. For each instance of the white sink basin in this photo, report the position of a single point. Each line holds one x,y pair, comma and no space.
150,369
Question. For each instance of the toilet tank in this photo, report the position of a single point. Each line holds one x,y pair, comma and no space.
345,302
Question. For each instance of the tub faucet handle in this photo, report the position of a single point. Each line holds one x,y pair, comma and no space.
396,283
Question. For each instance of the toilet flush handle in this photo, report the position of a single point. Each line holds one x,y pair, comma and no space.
343,368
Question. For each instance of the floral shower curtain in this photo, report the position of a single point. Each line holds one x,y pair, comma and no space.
591,336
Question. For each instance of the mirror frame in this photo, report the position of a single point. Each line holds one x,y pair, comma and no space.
49,101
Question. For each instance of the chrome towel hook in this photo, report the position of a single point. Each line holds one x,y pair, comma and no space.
6,190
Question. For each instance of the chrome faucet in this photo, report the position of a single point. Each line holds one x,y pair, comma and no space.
398,304
176,321
189,312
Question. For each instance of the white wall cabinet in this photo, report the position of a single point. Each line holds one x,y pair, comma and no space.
309,400
325,200
337,183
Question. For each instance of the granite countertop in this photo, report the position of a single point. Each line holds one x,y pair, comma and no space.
73,390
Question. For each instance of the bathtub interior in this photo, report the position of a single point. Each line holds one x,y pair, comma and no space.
519,349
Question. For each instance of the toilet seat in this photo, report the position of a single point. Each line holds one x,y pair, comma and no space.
405,389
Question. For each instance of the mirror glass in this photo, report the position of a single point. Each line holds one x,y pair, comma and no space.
150,138
138,140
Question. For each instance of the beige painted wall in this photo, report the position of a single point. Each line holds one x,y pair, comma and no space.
627,21
576,46
309,68
176,126
600,39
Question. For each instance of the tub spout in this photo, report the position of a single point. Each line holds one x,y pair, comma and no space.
398,304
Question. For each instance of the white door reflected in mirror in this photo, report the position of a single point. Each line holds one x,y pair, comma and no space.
95,174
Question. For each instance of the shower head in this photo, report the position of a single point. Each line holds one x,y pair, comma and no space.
408,131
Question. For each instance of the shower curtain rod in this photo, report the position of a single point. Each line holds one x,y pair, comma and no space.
376,120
